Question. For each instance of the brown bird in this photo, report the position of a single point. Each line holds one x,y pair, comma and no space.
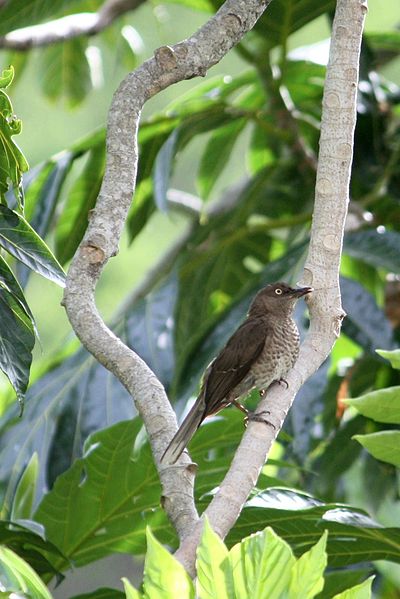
262,350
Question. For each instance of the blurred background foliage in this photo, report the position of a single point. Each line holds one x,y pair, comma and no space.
223,205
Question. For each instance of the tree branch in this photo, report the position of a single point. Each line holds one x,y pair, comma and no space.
321,271
185,60
66,28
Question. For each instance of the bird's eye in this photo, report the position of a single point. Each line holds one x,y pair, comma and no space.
278,291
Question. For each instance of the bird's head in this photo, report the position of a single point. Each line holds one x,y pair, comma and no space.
277,298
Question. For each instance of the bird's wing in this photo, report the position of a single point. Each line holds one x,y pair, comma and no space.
234,361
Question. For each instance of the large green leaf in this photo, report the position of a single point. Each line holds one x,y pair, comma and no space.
21,241
85,516
164,576
384,445
307,578
301,519
62,409
262,566
361,591
80,396
337,580
214,575
382,405
65,71
392,356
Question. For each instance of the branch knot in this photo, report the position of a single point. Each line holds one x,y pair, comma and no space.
166,58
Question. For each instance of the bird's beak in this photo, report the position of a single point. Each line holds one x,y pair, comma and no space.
300,291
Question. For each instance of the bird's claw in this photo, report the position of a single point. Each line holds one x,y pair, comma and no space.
258,417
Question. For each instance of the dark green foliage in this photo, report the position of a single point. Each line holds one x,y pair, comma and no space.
94,486
18,238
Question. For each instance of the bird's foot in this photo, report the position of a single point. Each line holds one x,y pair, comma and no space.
258,417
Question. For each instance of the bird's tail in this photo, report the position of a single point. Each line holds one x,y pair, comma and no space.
186,431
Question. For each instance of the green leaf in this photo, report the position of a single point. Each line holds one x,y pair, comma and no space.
381,250
261,565
130,591
214,574
6,77
361,591
307,576
81,199
284,17
79,396
216,155
84,515
25,491
384,445
8,281
43,191
27,539
259,154
342,579
392,356
12,161
17,575
21,241
301,519
17,339
65,71
164,577
382,405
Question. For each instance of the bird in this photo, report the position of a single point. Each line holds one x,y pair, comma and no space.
262,350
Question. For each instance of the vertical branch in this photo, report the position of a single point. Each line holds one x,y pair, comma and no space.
321,271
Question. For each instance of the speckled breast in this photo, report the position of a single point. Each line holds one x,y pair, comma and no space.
278,356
